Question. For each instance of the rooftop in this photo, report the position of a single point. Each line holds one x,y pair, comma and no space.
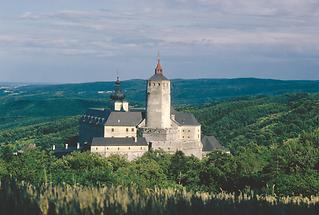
102,141
210,143
185,118
124,119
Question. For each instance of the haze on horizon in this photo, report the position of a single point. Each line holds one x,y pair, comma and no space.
90,40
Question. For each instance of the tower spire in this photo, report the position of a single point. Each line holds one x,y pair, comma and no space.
158,69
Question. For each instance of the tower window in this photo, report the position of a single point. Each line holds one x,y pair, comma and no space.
132,129
126,129
154,84
149,84
159,84
112,129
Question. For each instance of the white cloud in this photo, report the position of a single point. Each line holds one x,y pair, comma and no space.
176,26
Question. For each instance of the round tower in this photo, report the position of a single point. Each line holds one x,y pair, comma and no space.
158,100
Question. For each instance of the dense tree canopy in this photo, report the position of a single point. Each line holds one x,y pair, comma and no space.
274,143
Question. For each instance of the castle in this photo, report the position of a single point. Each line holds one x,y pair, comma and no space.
131,133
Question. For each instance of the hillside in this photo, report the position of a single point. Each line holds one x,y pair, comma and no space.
274,140
22,105
237,122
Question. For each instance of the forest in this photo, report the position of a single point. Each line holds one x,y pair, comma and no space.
274,144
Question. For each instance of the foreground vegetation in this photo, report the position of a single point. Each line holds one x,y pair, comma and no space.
23,198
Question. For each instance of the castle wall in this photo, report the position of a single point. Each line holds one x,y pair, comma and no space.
169,140
158,104
120,131
189,132
129,152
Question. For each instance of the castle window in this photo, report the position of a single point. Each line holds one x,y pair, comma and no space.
154,84
188,137
126,129
149,84
107,148
129,148
189,130
159,84
183,130
96,148
183,137
132,129
141,148
118,148
112,129
168,148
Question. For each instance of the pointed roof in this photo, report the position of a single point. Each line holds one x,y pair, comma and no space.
158,76
158,69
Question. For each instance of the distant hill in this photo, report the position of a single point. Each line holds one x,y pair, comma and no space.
20,103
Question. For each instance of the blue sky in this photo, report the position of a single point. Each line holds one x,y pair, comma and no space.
90,40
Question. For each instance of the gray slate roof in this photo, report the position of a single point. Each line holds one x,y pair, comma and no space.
98,112
158,77
185,118
124,119
95,116
210,143
112,141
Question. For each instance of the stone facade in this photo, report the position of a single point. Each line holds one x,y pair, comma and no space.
129,152
158,104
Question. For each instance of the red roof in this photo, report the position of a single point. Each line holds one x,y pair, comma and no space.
158,69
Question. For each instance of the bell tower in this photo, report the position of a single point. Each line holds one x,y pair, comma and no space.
117,98
158,100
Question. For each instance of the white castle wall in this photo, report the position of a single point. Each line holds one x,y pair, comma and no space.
120,131
129,152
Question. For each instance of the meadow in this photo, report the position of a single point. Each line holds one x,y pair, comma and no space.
23,198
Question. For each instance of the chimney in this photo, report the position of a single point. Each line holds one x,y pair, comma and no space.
78,145
66,146
53,147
